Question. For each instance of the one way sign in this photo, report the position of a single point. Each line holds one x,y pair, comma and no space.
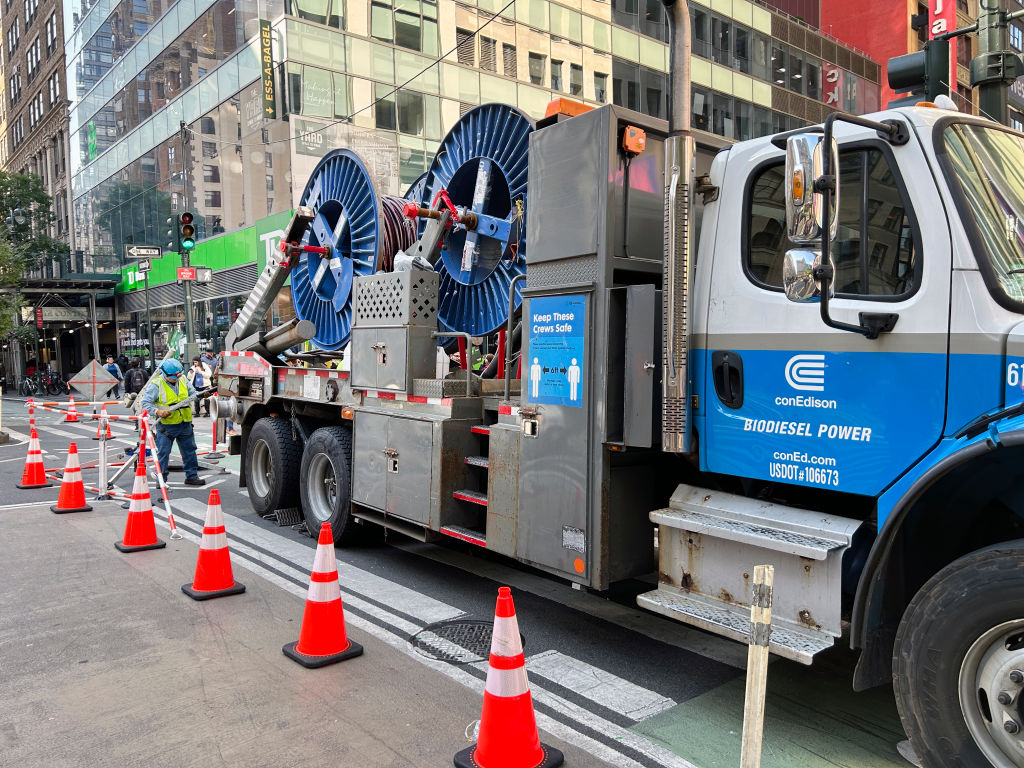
142,251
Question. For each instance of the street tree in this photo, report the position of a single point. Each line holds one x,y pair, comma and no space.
28,213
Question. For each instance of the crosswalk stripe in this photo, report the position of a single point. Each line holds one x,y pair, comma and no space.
396,596
601,687
563,707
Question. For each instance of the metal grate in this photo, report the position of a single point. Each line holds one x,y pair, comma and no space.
547,274
457,641
466,47
226,282
397,298
508,55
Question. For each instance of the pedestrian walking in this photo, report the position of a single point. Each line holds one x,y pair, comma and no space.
199,376
160,397
115,370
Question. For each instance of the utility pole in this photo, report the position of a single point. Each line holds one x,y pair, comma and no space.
995,67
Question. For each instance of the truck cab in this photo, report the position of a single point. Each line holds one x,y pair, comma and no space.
876,460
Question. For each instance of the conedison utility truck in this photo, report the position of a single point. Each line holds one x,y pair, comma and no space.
804,350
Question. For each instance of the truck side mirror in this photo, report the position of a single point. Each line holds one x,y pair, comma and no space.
805,162
798,279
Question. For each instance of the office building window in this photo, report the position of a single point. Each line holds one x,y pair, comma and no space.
209,149
207,126
537,61
412,29
1016,37
556,75
31,9
51,34
965,50
212,198
384,108
270,182
13,36
575,80
466,47
601,87
488,60
53,87
508,59
329,12
211,174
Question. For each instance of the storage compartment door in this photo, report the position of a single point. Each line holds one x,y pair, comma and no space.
408,474
392,360
368,460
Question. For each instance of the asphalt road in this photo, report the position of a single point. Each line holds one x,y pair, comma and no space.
611,684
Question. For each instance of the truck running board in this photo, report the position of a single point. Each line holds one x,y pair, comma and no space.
708,545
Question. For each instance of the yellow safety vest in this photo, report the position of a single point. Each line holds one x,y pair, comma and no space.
169,397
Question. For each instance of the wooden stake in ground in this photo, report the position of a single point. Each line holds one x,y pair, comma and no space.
757,666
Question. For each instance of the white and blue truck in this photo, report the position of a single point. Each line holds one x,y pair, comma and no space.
804,350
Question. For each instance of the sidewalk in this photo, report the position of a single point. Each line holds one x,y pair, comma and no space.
106,662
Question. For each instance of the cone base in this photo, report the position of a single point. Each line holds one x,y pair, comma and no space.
140,547
31,487
315,662
466,758
55,508
199,594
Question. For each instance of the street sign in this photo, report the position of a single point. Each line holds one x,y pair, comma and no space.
144,265
142,251
186,273
93,381
39,317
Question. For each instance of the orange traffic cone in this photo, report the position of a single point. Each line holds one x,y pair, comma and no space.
72,489
99,424
508,731
140,530
72,416
34,476
322,639
213,568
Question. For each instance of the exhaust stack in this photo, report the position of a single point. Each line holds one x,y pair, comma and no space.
680,152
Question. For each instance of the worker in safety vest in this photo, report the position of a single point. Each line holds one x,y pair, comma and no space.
159,397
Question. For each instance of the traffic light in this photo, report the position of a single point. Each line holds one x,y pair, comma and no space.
173,235
188,231
924,73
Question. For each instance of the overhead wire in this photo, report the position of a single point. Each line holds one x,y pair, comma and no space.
348,118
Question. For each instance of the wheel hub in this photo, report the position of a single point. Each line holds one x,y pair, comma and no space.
262,468
992,693
323,486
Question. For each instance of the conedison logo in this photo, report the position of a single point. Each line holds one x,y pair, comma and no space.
806,373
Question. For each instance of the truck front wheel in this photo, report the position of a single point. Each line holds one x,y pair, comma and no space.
326,486
958,665
272,465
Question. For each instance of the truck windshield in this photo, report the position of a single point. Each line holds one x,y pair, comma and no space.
987,164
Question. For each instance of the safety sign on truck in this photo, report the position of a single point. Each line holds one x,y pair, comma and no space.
553,369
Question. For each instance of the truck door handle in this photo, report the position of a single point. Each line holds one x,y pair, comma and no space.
727,372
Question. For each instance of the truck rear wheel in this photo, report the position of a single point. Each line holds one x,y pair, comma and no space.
958,665
326,486
272,462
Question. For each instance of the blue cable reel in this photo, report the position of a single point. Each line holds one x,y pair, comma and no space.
349,224
483,164
415,190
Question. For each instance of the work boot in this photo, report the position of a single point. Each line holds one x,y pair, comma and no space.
194,481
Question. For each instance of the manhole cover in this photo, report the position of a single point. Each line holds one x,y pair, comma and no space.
459,641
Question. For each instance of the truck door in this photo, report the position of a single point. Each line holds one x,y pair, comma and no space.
786,398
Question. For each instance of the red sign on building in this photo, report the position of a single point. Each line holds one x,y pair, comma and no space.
186,273
39,317
832,85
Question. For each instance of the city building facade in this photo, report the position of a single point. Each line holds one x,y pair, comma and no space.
362,74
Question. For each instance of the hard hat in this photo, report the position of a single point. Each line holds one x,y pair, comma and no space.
171,367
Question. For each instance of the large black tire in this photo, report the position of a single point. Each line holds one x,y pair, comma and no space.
272,463
326,484
969,606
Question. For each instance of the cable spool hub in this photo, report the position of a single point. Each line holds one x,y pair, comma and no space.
361,231
483,164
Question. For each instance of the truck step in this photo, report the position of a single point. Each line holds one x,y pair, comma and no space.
708,545
481,429
478,461
465,534
734,622
472,496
